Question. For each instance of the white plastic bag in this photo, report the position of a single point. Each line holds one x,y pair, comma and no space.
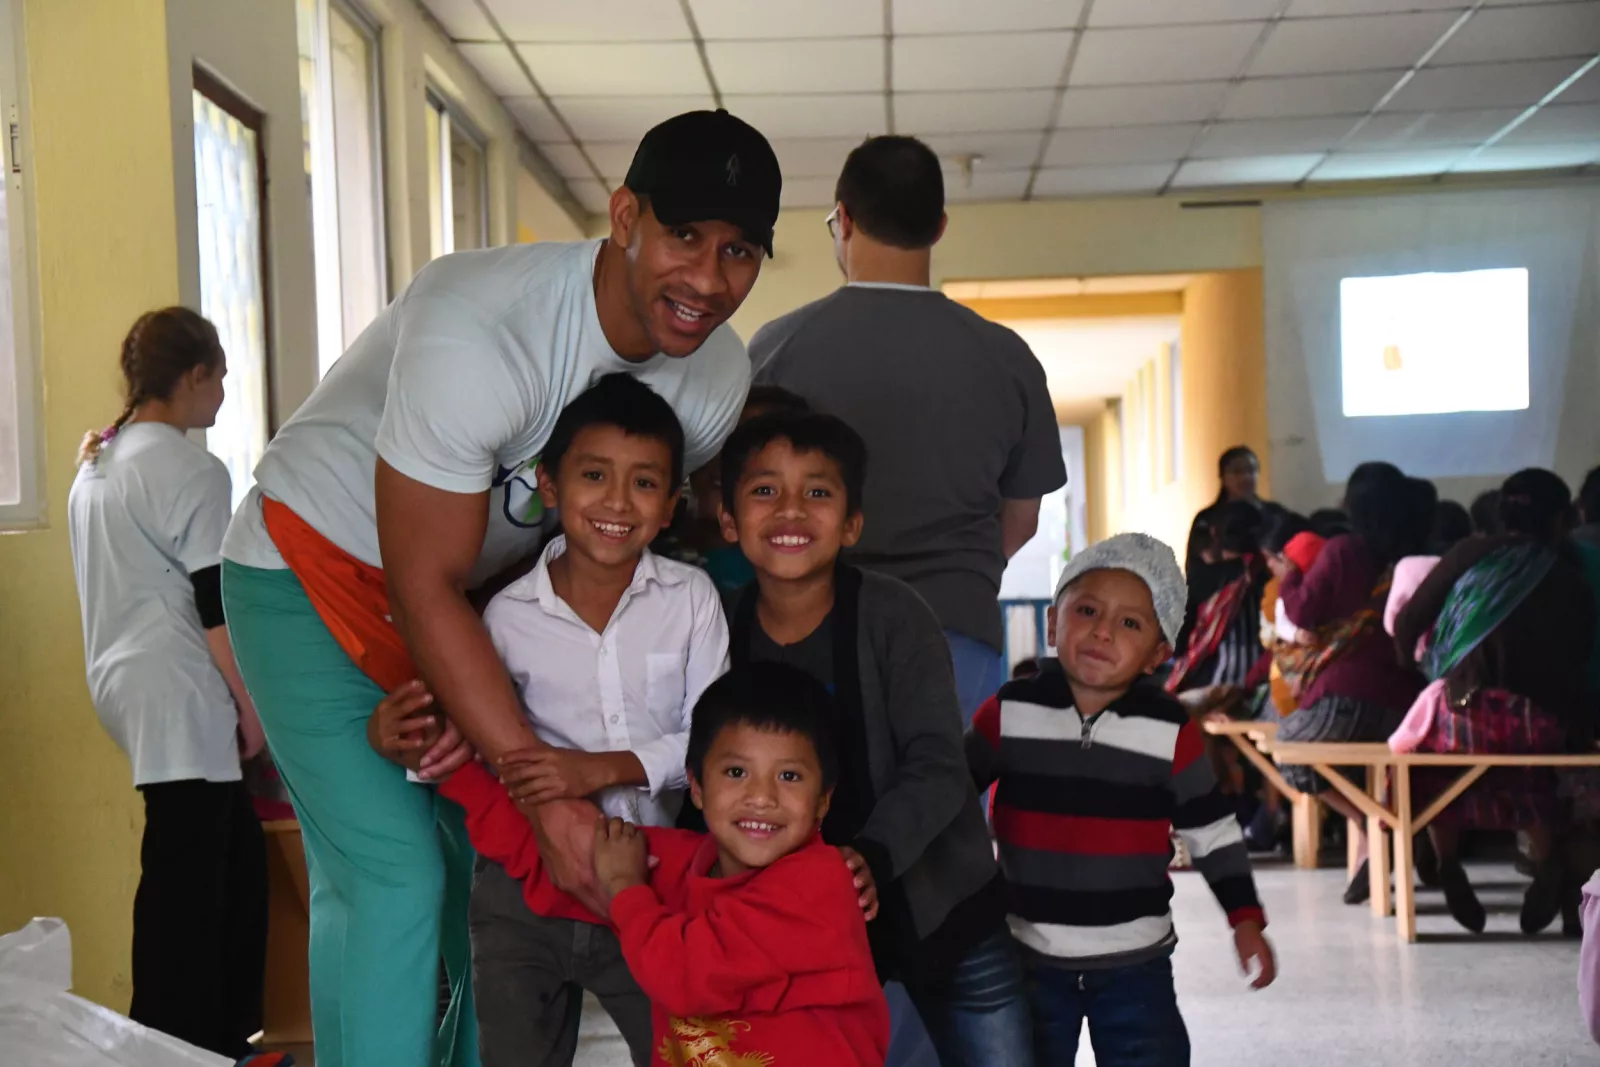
43,1025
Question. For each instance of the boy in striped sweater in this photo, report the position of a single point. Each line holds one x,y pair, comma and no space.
1094,767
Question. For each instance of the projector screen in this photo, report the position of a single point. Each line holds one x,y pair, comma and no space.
1434,343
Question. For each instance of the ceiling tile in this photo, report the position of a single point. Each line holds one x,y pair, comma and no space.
637,69
1170,12
1101,181
463,20
591,20
721,20
999,151
1260,137
1163,54
1502,157
1330,46
612,157
1557,124
1257,170
1308,8
992,16
1324,94
593,195
812,114
845,65
1127,105
1125,144
624,118
1393,130
980,61
807,192
923,113
1525,33
1358,166
497,67
1482,85
817,157
535,119
566,158
985,185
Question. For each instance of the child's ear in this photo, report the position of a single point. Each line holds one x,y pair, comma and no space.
547,487
695,793
823,805
728,524
1162,653
1050,626
852,529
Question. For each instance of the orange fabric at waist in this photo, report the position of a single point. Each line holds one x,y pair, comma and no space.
351,597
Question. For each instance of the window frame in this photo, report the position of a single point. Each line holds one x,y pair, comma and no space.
453,119
31,511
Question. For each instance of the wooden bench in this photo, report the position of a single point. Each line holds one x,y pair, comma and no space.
286,1000
1253,740
1396,814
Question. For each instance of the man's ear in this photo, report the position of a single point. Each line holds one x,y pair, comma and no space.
1162,653
547,487
944,220
852,529
695,793
625,215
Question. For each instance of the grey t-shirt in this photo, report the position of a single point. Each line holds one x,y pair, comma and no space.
957,419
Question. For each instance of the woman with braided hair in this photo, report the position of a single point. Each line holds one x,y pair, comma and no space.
147,514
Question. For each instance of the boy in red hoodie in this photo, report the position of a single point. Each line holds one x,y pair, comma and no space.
748,940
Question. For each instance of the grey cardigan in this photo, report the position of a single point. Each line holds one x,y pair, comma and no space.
925,840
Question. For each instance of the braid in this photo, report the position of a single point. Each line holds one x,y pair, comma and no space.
161,347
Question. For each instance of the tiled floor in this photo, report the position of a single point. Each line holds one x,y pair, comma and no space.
1349,994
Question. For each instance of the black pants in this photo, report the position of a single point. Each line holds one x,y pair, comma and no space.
200,915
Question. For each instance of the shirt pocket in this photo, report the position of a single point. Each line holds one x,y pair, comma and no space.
663,693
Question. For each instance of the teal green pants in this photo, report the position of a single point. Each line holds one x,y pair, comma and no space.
389,862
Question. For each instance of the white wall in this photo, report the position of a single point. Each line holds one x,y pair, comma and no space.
1308,247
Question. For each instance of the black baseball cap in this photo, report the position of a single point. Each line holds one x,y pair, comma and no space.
709,165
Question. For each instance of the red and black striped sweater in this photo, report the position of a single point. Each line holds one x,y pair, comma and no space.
1084,811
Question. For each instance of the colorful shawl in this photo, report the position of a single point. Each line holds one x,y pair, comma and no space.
1482,599
1211,622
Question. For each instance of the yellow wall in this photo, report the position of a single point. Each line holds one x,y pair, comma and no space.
69,818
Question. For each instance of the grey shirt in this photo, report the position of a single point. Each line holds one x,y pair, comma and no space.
957,419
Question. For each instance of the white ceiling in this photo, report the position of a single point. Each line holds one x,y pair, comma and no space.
1091,359
1058,98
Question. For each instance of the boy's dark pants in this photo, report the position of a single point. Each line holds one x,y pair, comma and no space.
200,915
529,973
1132,1014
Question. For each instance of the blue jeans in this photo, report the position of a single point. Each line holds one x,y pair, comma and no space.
1132,1013
975,1016
980,672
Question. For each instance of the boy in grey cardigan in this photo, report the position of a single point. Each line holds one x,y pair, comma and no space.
905,808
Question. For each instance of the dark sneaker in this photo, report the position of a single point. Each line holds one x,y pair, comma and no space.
1460,899
1542,903
1359,891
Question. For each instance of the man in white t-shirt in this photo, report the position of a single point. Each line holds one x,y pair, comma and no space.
404,482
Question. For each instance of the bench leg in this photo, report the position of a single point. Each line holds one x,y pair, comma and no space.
1405,892
1352,848
1378,849
1307,824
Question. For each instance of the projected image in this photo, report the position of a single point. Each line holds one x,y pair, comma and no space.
1427,344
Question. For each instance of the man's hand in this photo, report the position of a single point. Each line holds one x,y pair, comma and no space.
404,727
1252,945
536,776
864,881
564,830
621,857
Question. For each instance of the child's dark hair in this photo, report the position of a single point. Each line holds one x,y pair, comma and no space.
623,401
1329,522
805,432
1485,512
159,349
772,399
773,697
1279,528
1238,526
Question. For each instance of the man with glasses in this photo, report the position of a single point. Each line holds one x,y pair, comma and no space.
404,482
962,443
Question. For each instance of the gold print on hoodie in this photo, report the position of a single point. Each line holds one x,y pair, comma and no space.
701,1042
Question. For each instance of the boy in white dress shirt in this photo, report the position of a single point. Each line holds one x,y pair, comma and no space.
609,646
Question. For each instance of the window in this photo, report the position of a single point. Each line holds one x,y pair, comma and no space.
230,200
457,173
340,106
21,495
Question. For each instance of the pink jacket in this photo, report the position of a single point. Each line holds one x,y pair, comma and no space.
1589,957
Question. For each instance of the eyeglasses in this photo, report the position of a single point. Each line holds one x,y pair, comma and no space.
832,222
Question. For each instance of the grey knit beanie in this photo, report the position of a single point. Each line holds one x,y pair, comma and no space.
1150,559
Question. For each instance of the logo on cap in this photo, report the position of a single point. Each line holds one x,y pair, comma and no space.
733,169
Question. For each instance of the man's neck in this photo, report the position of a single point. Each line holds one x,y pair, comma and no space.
590,588
614,308
791,611
874,262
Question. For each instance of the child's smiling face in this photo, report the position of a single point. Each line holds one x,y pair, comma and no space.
1105,630
762,795
614,490
791,514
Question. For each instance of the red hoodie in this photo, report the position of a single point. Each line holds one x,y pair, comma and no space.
766,969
